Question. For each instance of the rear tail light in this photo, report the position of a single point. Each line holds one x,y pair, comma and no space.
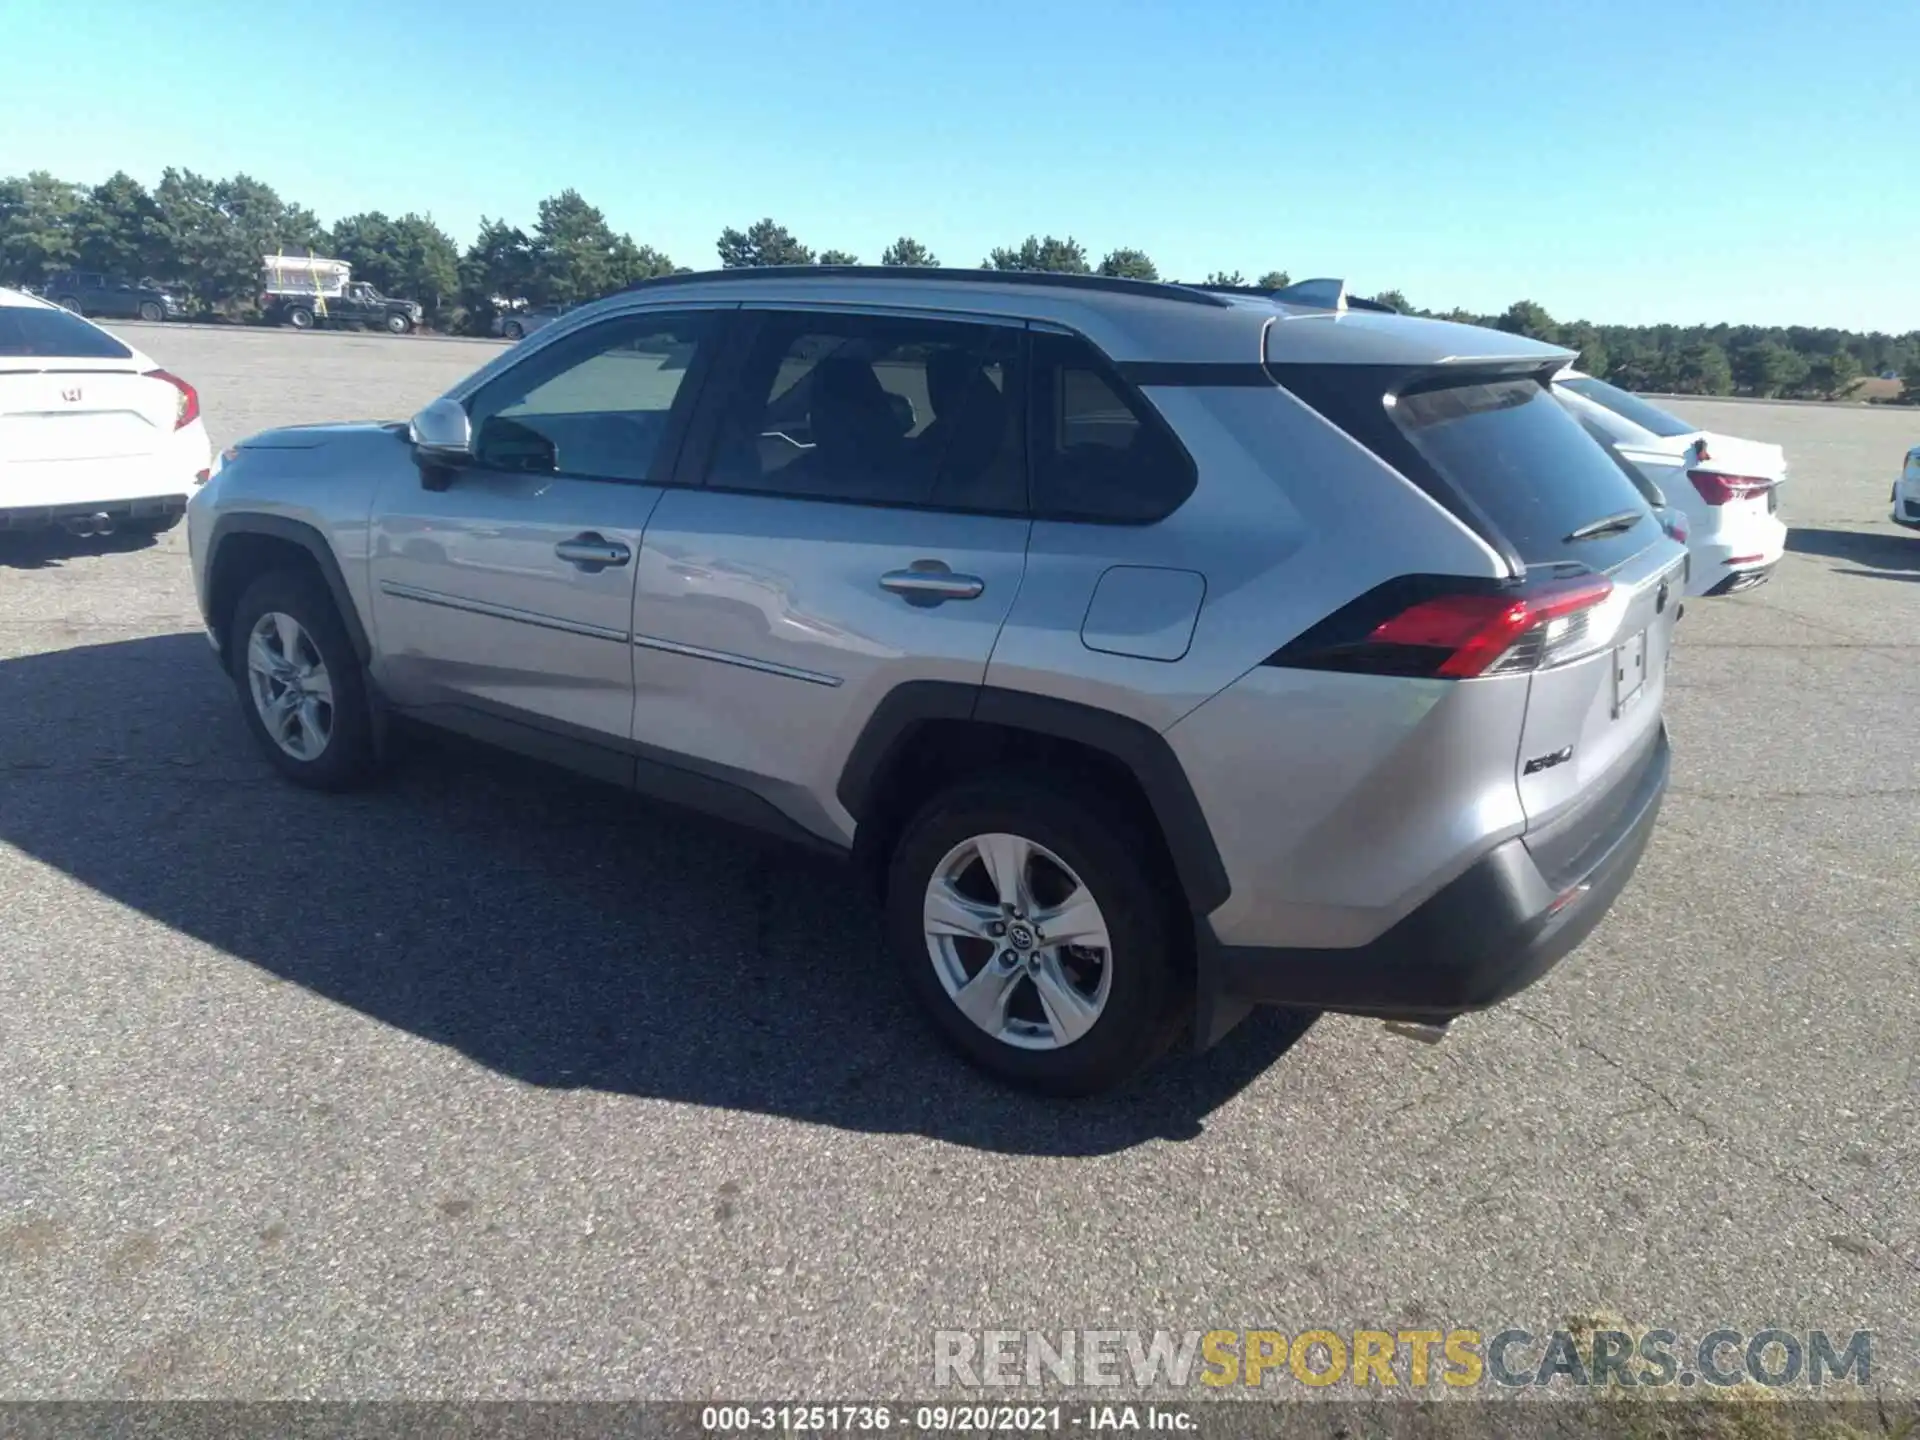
1718,489
1453,629
186,409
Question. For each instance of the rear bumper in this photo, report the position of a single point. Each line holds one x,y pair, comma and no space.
1738,553
1488,935
1746,578
41,517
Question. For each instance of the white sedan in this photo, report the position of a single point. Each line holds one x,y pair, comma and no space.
1727,487
1906,492
94,436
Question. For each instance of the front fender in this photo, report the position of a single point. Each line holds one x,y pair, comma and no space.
297,532
313,487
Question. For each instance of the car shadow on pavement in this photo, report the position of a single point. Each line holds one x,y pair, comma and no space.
556,931
1886,556
46,549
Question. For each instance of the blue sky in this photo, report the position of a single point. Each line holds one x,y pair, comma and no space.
1697,160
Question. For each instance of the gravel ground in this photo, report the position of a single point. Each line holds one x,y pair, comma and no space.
492,1084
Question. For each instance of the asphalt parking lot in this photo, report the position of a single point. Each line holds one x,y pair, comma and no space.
492,1084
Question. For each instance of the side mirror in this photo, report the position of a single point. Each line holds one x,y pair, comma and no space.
442,437
442,432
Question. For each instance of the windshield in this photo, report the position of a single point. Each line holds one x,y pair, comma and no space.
1627,406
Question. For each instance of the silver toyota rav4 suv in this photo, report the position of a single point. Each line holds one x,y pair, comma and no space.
1158,651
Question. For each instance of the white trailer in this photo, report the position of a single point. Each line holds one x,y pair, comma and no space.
308,276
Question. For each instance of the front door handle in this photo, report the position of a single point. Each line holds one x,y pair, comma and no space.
930,582
592,551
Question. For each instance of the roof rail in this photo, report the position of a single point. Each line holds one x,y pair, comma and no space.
1153,289
1307,294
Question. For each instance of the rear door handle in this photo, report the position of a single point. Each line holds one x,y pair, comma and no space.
592,551
930,582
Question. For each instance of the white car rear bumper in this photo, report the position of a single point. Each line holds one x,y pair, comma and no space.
34,495
1736,556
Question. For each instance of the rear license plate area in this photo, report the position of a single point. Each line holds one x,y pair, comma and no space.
1629,672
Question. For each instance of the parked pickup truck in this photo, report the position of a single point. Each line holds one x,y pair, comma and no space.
357,305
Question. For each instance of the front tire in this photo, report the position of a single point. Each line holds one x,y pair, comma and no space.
398,324
513,330
302,688
1037,933
71,302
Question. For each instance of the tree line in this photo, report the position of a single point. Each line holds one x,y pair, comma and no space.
205,237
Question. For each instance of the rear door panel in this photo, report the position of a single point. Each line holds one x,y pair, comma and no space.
763,639
775,606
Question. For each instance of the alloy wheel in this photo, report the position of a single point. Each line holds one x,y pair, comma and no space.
292,692
1018,941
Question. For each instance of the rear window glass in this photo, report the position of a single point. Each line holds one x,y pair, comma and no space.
30,331
1628,406
1522,459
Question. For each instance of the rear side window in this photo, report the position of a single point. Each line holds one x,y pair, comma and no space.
1627,406
1100,453
1544,483
28,331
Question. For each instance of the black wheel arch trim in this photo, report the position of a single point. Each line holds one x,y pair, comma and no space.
297,532
1143,750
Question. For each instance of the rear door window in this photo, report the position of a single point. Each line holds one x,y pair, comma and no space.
30,332
877,409
1546,485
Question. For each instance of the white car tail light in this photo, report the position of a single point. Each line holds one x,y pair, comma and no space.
187,408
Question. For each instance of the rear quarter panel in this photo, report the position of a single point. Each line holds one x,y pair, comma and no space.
1290,520
1340,802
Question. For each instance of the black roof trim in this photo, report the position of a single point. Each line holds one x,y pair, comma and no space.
1112,284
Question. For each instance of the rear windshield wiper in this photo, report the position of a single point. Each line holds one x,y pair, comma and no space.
1611,525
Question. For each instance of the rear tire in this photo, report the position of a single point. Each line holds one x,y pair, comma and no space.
513,330
151,313
71,302
1060,1018
287,648
300,319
